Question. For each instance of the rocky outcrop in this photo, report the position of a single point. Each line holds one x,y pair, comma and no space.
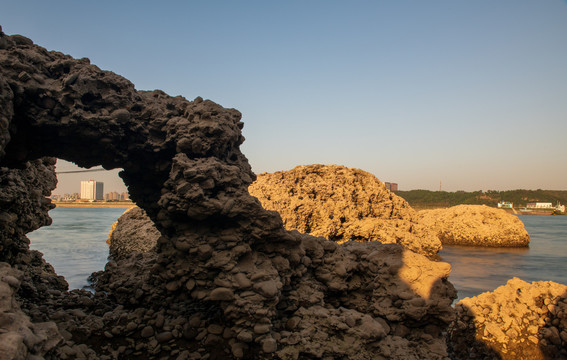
226,279
24,204
24,208
334,202
517,321
342,204
134,231
476,225
19,337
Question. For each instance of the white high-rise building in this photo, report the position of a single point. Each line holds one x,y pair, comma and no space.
92,190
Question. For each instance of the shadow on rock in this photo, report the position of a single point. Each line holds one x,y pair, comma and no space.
343,204
553,334
517,321
464,341
226,279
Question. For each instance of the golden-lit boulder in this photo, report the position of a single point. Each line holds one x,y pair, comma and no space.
517,321
343,204
476,225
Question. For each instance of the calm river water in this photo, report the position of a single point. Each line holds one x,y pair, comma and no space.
476,270
75,244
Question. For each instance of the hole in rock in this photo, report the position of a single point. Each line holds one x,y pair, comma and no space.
75,244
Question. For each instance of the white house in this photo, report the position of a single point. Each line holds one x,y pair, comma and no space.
505,205
540,205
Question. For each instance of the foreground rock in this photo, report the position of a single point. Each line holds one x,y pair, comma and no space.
226,279
134,231
476,225
342,204
517,321
24,205
19,337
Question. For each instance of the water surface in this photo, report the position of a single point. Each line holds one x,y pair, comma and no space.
75,244
476,270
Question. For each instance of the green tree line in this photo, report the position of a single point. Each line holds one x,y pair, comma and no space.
424,199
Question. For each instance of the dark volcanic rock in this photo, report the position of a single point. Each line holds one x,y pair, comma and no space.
133,231
19,337
24,204
222,261
343,204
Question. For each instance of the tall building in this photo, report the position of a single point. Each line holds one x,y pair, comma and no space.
92,190
391,186
112,196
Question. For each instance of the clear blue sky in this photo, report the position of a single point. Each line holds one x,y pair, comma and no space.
472,94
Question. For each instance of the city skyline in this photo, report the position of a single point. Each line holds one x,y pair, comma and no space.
470,95
69,178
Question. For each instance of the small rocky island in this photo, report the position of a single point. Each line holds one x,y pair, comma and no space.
476,225
225,279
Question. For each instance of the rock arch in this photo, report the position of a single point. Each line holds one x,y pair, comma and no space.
259,290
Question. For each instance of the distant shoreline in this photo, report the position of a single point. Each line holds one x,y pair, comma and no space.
110,204
129,204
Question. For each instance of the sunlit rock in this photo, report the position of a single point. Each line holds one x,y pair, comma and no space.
517,321
476,225
343,204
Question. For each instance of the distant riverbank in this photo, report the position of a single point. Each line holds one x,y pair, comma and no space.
509,211
101,204
425,199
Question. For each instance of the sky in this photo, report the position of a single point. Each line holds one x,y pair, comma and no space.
450,94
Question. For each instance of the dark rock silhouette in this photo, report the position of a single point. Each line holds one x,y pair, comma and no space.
23,204
19,336
226,279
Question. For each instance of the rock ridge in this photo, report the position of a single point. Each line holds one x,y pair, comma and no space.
343,204
226,279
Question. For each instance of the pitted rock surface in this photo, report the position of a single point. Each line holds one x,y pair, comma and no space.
476,225
343,204
19,337
517,321
226,279
24,204
134,231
